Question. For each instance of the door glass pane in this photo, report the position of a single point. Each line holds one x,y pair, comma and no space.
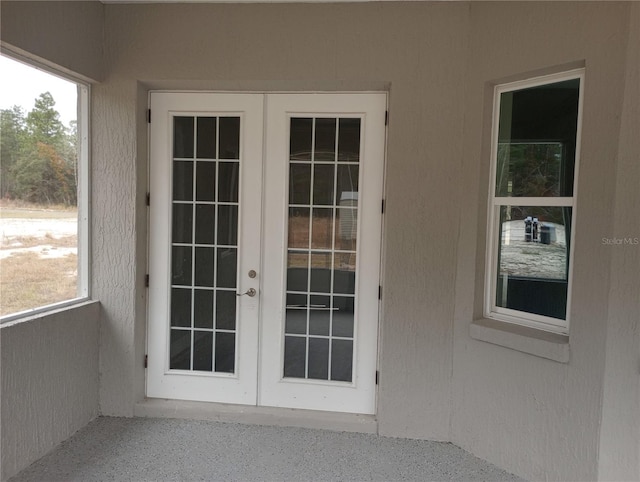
205,181
182,180
299,227
295,356
322,248
180,353
228,181
299,184
319,358
323,175
203,308
205,223
341,360
296,317
297,271
225,349
204,267
226,310
325,148
182,229
204,243
229,138
202,350
349,140
183,137
301,138
347,180
206,147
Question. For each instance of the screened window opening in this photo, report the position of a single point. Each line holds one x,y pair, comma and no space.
43,190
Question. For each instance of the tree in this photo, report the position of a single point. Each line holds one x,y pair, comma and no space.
12,137
45,168
43,122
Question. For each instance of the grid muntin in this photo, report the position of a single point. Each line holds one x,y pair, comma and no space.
194,202
309,251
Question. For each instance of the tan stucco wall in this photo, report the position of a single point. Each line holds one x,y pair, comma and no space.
279,47
536,417
507,403
49,382
620,432
77,27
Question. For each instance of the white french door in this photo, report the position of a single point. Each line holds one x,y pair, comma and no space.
265,248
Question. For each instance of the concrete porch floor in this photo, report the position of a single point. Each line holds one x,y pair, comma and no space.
153,449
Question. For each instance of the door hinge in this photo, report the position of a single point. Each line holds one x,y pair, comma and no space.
377,376
379,292
383,206
386,117
149,116
146,361
146,280
148,199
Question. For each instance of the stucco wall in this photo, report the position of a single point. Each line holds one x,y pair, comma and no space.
49,372
620,432
278,47
533,416
67,35
536,417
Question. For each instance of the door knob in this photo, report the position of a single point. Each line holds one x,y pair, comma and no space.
251,292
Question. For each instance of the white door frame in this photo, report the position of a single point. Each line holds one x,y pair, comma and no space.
258,378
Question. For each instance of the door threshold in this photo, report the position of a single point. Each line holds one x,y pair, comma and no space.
253,415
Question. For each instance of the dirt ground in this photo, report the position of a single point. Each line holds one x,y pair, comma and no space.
38,257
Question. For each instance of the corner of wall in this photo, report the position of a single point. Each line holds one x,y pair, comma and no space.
619,450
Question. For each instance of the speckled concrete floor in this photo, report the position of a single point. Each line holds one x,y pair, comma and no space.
147,449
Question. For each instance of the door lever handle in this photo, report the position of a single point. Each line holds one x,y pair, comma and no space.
251,292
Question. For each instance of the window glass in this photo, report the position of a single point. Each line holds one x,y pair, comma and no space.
534,158
42,173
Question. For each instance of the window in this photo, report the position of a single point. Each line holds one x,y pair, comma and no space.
43,190
534,157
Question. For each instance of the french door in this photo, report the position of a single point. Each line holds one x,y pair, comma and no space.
264,248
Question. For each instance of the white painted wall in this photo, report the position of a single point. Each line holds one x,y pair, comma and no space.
49,382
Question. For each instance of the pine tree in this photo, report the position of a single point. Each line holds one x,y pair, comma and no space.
45,171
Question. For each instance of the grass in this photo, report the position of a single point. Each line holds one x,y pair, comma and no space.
11,209
29,281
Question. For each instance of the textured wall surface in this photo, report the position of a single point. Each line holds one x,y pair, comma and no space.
537,417
620,432
77,26
49,371
277,47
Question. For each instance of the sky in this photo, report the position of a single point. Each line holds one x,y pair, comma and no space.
21,85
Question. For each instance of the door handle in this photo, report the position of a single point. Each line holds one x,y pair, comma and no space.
251,292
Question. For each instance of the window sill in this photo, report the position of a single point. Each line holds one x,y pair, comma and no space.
539,343
43,311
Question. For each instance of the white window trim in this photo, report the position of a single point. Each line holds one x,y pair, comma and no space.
491,311
84,192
